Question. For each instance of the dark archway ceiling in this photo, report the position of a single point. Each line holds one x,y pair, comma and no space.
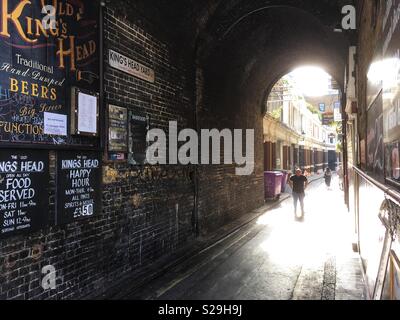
245,62
278,28
227,14
257,41
212,18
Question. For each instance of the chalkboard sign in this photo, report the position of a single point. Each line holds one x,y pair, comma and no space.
40,62
138,128
78,186
24,191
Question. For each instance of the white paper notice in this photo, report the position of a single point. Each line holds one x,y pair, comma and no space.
87,114
55,124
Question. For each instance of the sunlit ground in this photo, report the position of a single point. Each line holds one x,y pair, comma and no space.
280,258
326,229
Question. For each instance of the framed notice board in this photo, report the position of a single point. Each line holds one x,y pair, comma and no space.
117,129
85,107
24,191
78,186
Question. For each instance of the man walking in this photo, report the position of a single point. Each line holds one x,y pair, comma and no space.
340,174
299,184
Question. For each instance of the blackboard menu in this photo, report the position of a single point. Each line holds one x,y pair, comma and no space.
78,185
138,128
24,185
46,48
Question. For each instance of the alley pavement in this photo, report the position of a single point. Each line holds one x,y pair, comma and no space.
275,257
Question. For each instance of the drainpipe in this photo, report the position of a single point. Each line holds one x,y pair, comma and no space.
101,71
345,154
196,72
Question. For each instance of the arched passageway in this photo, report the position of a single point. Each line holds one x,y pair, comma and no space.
147,63
238,62
303,122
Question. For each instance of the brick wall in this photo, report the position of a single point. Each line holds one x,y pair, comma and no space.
147,211
223,102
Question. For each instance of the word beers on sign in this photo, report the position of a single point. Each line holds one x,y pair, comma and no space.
32,89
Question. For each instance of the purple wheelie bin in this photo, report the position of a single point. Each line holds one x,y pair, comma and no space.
285,177
273,184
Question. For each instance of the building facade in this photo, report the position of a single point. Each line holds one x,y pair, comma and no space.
294,136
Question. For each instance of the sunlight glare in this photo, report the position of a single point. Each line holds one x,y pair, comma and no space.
309,241
312,81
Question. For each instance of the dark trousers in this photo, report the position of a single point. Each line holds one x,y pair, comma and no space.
328,181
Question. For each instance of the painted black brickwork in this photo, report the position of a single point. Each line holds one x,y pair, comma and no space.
147,211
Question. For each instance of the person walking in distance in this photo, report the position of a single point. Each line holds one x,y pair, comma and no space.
328,178
299,184
340,174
